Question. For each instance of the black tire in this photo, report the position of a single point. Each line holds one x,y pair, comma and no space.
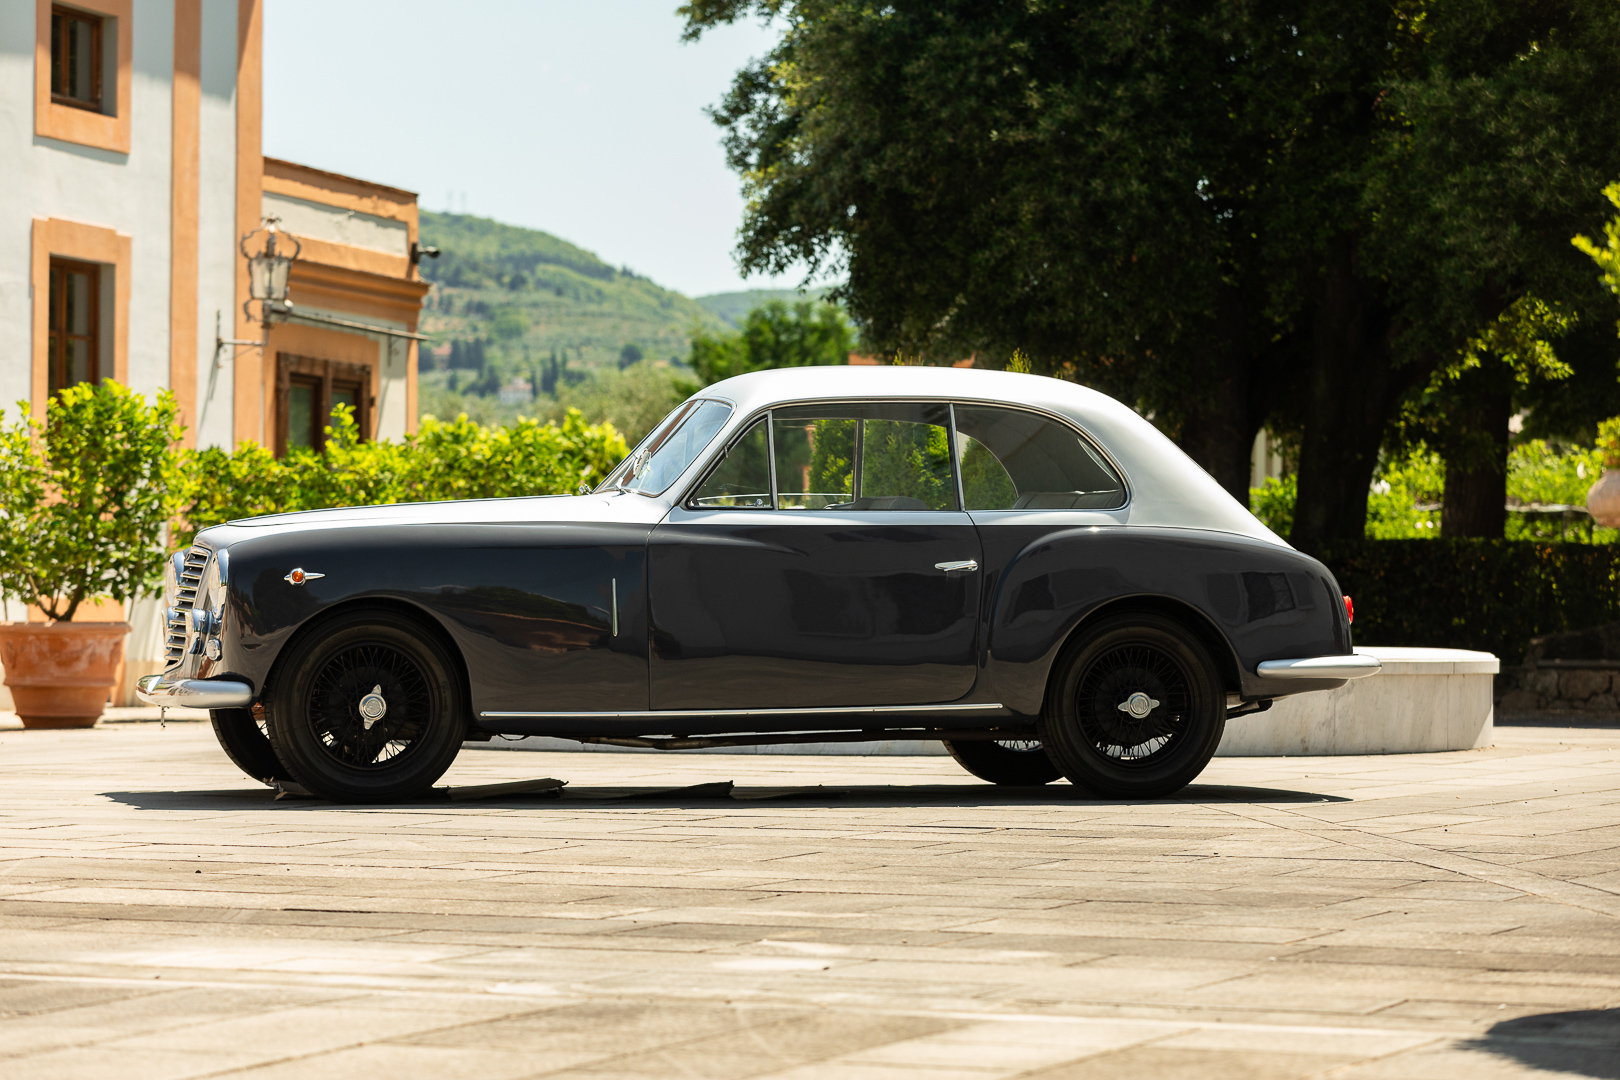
1020,762
1135,708
313,708
247,745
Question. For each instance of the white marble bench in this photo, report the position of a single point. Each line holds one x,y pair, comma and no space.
1423,700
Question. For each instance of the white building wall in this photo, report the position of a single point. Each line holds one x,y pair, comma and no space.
17,186
216,225
127,192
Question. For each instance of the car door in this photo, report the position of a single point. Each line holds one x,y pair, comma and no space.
824,563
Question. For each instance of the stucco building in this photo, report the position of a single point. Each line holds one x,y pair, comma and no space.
131,166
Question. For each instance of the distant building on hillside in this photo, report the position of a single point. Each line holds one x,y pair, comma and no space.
132,169
517,392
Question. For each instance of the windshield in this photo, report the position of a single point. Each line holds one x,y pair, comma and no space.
673,445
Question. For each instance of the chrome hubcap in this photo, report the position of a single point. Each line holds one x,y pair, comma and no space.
1138,705
373,707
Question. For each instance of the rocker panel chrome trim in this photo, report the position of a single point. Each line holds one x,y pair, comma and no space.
677,714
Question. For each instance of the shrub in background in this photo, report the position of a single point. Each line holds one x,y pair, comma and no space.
455,459
1404,501
1493,595
85,497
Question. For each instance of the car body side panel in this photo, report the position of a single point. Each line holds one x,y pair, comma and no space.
1267,602
529,605
812,609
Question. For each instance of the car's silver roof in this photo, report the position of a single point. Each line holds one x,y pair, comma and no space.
1167,487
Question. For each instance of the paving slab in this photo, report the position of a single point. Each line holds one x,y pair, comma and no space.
1427,915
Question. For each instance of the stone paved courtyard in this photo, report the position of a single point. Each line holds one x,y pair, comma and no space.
1439,915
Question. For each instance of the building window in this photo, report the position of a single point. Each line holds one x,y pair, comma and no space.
76,42
75,308
307,390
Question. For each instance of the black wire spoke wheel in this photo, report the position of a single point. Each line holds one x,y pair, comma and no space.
243,737
1131,704
355,675
369,707
1016,762
1135,708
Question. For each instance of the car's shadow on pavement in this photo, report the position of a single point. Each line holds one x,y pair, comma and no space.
502,796
1581,1043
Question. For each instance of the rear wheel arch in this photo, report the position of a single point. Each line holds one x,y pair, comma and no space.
1186,615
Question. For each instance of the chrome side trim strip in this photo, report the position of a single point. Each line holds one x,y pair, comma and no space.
678,714
1358,666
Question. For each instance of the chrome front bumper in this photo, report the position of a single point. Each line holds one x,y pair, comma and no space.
193,693
1356,666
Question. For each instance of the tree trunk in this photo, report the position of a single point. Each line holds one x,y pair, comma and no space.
1476,475
1219,434
1226,408
1351,387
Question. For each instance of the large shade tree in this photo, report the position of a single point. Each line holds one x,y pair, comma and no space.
1231,212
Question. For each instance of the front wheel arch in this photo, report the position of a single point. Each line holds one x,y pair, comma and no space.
424,619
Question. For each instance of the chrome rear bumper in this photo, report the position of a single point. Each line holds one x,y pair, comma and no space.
1355,666
194,693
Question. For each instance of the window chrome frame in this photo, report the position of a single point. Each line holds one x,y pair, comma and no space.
691,406
766,413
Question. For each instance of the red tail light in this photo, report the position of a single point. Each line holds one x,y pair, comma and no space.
1349,610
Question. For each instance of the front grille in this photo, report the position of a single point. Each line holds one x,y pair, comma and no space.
174,645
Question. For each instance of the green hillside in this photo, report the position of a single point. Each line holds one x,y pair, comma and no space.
733,307
526,295
525,324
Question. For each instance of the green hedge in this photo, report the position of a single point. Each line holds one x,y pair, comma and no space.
1493,595
444,459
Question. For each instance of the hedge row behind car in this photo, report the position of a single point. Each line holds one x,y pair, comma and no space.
1492,595
444,459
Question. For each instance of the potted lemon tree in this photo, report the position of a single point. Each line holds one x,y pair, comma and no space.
84,499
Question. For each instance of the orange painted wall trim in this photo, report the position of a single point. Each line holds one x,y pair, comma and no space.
248,405
335,189
339,288
184,194
350,257
87,243
69,124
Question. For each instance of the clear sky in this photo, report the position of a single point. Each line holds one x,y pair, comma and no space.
580,117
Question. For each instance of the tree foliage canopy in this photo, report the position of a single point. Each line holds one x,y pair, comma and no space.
774,335
1230,212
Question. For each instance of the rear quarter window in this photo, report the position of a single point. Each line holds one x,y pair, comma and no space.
1017,460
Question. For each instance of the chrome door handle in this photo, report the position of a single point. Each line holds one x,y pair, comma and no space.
960,564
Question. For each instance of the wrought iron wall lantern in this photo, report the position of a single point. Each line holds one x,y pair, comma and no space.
269,275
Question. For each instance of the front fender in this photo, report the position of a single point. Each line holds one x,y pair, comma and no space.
529,607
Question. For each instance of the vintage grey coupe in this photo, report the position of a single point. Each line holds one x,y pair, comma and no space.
1020,567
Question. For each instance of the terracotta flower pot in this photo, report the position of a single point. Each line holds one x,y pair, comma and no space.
1603,499
60,673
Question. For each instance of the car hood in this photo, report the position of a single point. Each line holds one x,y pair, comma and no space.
614,506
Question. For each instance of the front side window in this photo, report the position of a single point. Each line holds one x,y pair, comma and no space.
743,478
1016,460
859,456
73,322
76,58
665,454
